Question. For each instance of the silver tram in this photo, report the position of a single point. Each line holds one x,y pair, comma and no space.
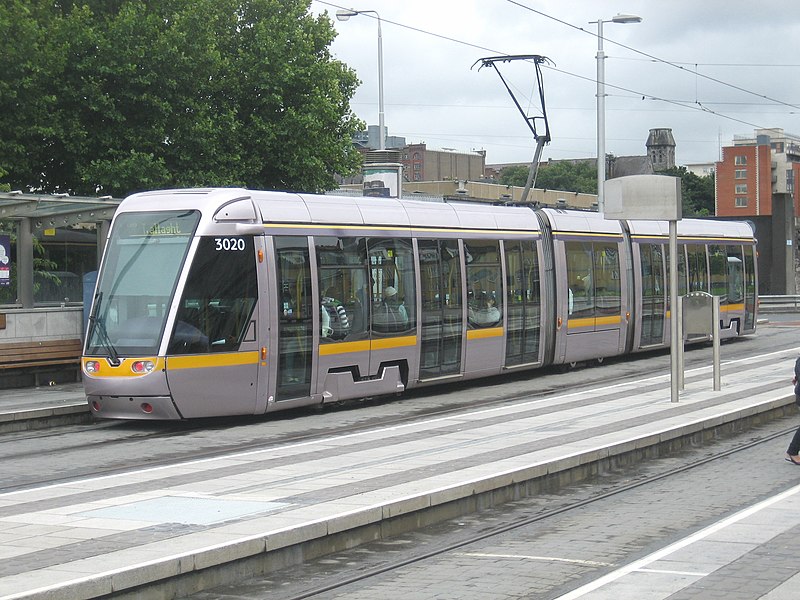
237,302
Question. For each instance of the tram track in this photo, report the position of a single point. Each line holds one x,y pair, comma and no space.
484,535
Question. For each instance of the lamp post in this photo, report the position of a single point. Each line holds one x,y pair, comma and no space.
601,103
344,15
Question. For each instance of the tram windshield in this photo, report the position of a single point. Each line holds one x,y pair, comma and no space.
143,261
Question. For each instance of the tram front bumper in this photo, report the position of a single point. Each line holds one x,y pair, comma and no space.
153,408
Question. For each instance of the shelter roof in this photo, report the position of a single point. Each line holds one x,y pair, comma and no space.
47,211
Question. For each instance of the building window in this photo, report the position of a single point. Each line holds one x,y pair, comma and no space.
740,160
741,188
741,201
741,173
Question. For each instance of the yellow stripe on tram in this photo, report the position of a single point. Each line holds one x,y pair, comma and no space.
594,321
200,361
479,334
366,345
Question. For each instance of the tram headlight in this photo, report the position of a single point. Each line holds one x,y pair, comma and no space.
92,366
142,366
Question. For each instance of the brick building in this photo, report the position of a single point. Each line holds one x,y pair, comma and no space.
753,170
423,164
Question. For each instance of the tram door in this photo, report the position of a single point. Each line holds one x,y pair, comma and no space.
653,294
523,303
295,317
442,308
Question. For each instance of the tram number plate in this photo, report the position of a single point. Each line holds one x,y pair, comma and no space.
229,244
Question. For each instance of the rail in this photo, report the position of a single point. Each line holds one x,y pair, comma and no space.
779,303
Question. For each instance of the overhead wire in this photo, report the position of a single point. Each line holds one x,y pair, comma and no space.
652,57
697,106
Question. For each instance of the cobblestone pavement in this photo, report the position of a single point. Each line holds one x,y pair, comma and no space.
549,558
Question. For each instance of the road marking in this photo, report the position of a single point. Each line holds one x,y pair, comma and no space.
664,571
640,564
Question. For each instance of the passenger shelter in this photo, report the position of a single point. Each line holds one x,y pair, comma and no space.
49,244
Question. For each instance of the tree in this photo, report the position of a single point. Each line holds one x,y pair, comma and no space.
559,175
116,96
697,193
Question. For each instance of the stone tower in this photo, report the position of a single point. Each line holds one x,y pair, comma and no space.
661,149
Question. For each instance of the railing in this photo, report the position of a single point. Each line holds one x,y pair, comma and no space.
786,303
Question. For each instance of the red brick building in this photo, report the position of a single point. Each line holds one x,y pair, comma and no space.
753,170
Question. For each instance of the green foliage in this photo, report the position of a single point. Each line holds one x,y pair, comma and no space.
697,192
515,175
116,96
562,175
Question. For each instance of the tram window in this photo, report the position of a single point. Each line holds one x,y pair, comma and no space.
593,274
343,287
607,284
698,270
484,283
735,271
579,279
218,300
391,264
682,283
718,262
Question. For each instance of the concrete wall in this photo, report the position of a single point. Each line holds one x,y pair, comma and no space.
41,324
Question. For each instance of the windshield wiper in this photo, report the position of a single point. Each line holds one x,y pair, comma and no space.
98,324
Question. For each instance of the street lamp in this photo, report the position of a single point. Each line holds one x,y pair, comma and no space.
344,15
601,104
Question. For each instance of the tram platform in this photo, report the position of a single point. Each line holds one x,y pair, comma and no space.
196,524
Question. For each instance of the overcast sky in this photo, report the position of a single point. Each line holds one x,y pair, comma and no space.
432,95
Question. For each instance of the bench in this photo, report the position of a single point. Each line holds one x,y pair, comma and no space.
31,355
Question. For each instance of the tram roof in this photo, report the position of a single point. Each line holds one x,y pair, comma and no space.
282,207
706,228
48,211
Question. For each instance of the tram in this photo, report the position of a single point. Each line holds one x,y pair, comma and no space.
228,301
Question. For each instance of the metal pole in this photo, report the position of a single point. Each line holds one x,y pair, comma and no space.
25,262
673,304
381,129
715,330
681,346
601,119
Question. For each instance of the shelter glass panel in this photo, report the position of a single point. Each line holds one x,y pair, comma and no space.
8,262
62,256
